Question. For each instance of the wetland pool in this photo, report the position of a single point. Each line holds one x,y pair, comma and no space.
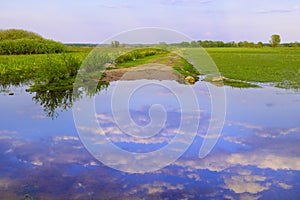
256,157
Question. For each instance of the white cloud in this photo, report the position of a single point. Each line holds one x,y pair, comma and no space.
249,197
157,187
212,163
247,125
233,139
289,131
264,160
8,132
37,163
114,134
92,163
103,118
9,150
277,10
242,184
65,137
194,176
284,186
115,6
262,131
5,137
209,136
261,158
186,2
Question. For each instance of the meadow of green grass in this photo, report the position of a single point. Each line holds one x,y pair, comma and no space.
280,66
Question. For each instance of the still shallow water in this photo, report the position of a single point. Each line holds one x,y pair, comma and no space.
256,157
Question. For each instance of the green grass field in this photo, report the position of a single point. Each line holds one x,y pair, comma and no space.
280,66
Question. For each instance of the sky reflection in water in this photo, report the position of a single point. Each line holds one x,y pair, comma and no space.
257,156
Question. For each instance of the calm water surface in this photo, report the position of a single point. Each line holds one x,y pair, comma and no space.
256,157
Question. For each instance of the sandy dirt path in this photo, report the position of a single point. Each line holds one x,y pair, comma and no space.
151,71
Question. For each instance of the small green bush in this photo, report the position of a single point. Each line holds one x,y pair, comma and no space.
57,68
138,54
15,34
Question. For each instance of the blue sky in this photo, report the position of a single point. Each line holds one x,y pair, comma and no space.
95,20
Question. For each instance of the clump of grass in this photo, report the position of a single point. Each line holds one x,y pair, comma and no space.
186,69
289,84
138,54
139,57
239,84
62,68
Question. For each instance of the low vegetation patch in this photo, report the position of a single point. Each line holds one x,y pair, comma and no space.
139,56
239,84
279,66
40,69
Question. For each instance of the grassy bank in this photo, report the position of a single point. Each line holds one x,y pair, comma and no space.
280,66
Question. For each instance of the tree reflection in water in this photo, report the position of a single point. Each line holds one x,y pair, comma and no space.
61,98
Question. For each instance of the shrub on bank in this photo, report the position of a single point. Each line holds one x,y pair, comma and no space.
139,53
16,42
30,46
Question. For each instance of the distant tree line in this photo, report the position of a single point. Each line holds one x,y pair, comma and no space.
292,44
246,44
81,45
274,42
210,43
14,41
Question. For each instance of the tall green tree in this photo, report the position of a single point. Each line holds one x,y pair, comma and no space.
275,40
115,44
194,44
259,44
